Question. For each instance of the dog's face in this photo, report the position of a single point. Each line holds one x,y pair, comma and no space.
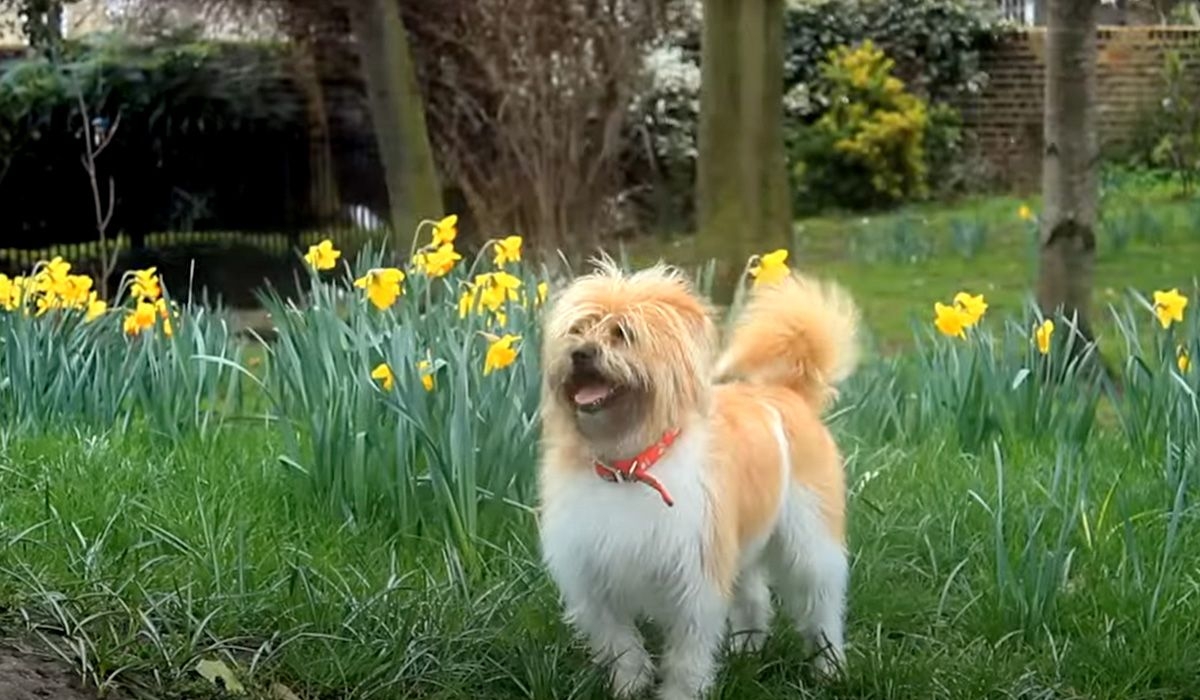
624,355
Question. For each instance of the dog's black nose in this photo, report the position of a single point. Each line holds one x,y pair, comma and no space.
583,355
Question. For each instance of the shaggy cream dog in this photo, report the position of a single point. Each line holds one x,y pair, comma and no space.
682,488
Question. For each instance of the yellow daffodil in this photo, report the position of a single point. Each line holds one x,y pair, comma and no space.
466,302
494,288
76,291
46,302
163,309
1041,335
146,285
322,256
9,293
382,286
1169,306
1024,213
425,367
140,318
1183,360
58,268
15,296
770,268
499,319
164,312
507,250
950,320
500,353
95,308
973,307
445,231
383,374
543,291
54,271
439,262
55,288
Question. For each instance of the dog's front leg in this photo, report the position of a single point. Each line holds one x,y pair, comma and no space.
693,640
616,644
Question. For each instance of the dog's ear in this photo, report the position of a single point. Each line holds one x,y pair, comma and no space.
670,288
697,313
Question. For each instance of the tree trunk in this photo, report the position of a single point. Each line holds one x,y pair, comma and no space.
323,196
399,116
1069,181
742,186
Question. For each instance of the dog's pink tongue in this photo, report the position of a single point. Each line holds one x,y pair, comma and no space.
591,394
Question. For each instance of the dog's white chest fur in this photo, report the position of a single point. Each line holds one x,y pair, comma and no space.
620,545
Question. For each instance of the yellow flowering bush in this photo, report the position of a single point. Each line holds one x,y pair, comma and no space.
868,148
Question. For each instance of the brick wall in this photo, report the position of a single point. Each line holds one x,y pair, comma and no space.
1007,115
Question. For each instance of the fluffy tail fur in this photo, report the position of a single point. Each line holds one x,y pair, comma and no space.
799,333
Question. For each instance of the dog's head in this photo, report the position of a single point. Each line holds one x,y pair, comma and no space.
626,355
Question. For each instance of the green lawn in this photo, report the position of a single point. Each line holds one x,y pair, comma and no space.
1015,530
137,558
1162,250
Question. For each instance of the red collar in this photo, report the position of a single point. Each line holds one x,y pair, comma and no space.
638,468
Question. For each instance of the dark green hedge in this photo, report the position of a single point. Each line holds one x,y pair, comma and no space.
936,43
209,135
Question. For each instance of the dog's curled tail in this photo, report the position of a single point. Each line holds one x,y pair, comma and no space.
800,333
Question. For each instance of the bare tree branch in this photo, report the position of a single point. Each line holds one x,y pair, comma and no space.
529,101
92,148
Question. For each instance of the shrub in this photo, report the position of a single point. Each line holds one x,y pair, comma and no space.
936,45
1178,147
662,128
1165,143
868,148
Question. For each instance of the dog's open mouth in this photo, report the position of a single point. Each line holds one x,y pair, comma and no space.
591,392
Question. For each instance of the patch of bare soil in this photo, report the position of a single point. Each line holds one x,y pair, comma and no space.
26,675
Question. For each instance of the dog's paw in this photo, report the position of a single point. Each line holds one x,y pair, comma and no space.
631,675
828,664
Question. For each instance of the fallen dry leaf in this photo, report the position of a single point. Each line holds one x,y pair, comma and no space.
220,675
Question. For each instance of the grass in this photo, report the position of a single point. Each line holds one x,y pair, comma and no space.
135,559
1016,529
898,263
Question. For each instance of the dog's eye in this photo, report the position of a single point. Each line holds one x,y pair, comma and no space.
576,329
620,333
